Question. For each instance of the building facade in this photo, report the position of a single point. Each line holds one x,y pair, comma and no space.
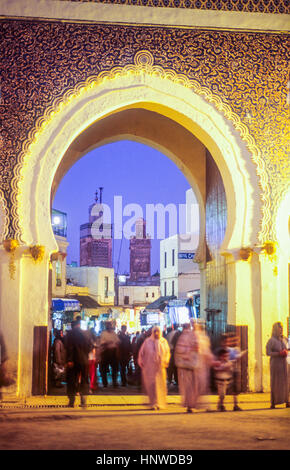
178,273
138,295
99,281
58,259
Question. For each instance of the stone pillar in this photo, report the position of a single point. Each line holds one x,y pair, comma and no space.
23,305
244,308
274,302
254,297
10,324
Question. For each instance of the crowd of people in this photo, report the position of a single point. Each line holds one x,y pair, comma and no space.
154,360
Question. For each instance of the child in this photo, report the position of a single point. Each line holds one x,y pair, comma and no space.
230,342
223,373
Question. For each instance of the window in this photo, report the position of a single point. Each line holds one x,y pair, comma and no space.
172,288
58,273
147,295
173,257
126,300
165,288
165,260
153,295
106,286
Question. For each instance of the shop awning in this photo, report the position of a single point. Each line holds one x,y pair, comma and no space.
86,301
65,305
160,303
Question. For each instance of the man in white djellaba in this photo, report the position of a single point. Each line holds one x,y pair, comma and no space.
153,359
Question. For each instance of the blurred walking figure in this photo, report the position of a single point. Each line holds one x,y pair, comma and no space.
230,342
172,369
109,354
94,359
153,359
125,351
59,358
233,345
136,379
205,360
134,349
77,348
186,360
223,373
5,379
276,348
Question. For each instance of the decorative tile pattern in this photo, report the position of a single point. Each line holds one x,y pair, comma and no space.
243,74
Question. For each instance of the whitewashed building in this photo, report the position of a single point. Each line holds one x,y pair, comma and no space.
179,275
99,280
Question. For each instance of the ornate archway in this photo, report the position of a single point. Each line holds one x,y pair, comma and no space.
76,75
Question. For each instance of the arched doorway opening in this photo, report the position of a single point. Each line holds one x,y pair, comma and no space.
184,285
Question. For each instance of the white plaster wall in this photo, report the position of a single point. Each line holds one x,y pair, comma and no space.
244,308
137,294
10,313
188,283
169,272
94,279
23,305
283,258
97,12
102,273
184,272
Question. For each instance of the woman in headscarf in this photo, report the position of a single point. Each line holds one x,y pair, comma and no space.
276,348
186,360
153,359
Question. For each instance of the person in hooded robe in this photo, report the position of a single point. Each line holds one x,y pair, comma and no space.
204,363
276,348
186,360
153,358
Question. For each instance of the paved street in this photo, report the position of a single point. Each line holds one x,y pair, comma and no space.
134,427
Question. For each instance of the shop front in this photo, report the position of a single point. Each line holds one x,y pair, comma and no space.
150,318
63,310
179,312
129,317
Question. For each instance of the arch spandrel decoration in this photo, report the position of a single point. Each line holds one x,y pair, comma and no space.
234,71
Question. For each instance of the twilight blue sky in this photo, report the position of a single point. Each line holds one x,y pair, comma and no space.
138,173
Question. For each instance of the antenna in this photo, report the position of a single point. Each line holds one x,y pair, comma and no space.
101,194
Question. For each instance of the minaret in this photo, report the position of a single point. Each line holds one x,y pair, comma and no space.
140,253
96,251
